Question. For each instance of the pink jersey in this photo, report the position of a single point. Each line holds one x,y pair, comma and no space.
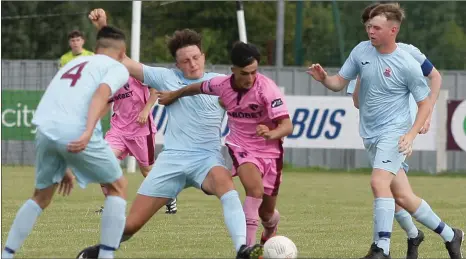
263,103
129,101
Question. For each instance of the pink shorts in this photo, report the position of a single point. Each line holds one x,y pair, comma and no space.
142,148
270,168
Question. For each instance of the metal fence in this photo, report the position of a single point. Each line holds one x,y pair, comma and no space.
34,75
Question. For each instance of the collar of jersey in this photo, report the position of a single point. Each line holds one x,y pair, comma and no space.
242,90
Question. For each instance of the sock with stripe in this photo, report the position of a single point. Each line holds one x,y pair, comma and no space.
22,226
427,217
384,214
112,226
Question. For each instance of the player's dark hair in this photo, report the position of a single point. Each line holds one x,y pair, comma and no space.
183,38
392,11
367,11
107,34
75,34
244,54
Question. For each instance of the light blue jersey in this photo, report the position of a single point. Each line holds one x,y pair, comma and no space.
194,122
61,117
62,110
425,64
426,67
386,82
192,137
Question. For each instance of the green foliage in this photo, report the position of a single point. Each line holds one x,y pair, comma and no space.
436,28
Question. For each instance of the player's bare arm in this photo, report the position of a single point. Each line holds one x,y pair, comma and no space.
335,83
99,19
424,110
168,97
97,108
284,128
144,114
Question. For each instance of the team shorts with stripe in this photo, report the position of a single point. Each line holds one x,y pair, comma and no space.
270,168
141,147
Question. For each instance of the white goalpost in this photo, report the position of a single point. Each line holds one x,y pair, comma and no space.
135,46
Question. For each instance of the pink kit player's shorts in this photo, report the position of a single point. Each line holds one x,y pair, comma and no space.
270,168
142,148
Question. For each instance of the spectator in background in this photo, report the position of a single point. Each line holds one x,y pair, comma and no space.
76,41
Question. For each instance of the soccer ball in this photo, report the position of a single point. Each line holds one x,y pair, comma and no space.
280,247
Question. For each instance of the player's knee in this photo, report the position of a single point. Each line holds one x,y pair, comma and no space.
219,182
117,188
255,191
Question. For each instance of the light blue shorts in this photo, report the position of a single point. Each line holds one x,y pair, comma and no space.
383,153
174,171
95,164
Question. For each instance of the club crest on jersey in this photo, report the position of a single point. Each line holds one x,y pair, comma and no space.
387,72
126,86
277,102
253,106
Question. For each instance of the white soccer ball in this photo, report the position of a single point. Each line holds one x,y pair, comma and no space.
280,247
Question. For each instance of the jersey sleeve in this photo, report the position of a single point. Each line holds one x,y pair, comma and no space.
116,77
213,86
155,77
274,102
350,68
424,62
416,81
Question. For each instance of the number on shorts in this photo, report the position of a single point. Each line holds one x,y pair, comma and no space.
74,76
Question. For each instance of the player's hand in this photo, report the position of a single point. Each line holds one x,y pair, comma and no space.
98,18
264,131
66,184
426,126
167,97
80,144
405,144
317,72
142,117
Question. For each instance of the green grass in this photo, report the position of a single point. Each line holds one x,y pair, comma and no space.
327,215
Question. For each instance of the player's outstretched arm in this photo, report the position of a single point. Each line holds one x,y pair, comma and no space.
99,19
335,83
166,98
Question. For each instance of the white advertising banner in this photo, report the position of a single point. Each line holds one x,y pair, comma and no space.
319,122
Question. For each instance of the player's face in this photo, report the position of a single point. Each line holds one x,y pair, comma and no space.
76,44
245,76
190,60
380,30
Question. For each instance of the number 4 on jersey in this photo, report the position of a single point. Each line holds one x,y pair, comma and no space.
74,76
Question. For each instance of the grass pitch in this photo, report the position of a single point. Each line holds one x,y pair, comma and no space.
327,215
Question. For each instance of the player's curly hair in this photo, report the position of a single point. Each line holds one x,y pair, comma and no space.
183,38
392,11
